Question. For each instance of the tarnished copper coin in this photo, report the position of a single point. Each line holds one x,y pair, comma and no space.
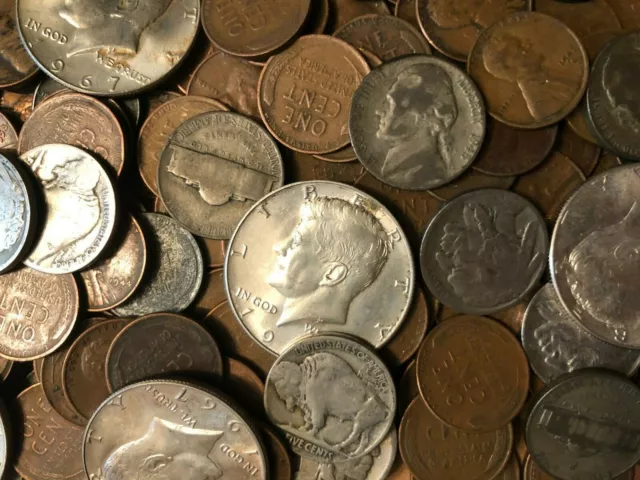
583,18
304,93
211,295
454,27
406,10
157,99
628,12
5,368
470,181
202,49
531,68
511,471
8,134
253,29
278,455
343,11
607,162
16,66
491,379
317,18
584,154
407,388
244,385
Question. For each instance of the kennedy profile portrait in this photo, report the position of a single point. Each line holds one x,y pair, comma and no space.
620,86
334,253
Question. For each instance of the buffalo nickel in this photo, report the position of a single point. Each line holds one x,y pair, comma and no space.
319,256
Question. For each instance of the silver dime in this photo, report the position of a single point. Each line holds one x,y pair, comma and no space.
171,430
214,167
585,426
174,269
80,208
17,214
332,396
319,256
417,122
556,344
484,251
595,251
108,48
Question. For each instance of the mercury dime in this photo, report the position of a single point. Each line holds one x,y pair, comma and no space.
319,256
332,396
107,48
484,251
417,122
193,433
214,167
174,269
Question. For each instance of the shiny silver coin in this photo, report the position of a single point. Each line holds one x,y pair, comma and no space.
208,182
332,396
6,439
174,269
484,251
18,213
595,251
556,344
108,48
170,430
417,122
80,208
316,257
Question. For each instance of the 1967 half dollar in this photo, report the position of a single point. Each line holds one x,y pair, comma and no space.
318,256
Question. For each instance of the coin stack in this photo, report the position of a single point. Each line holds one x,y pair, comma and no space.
319,240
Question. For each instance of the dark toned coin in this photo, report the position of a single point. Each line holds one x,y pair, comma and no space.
8,135
399,471
583,18
607,162
511,471
317,18
16,67
468,182
627,11
512,317
280,467
162,344
158,98
5,368
343,11
584,154
202,49
245,385
346,154
491,382
406,10
533,472
212,294
407,388
531,69
509,151
47,88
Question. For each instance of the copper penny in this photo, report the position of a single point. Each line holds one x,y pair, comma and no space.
469,181
37,313
318,17
511,471
454,27
253,29
550,185
628,12
343,11
5,368
583,18
159,98
304,93
346,154
51,447
399,470
16,66
114,278
406,10
407,388
303,167
8,134
584,154
531,68
513,151
235,341
491,379
160,125
83,370
17,106
231,80
244,385
447,446
37,369
278,455
385,36
202,49
607,162
212,294
78,120
512,317
162,344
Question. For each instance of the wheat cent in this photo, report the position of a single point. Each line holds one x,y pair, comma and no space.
315,257
209,181
304,93
194,433
531,69
16,67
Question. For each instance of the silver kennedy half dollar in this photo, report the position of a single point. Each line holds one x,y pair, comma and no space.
314,257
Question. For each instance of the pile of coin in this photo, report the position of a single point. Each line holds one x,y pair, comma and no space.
319,240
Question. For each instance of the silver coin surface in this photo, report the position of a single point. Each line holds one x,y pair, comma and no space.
373,466
170,430
585,426
595,250
332,396
484,251
214,167
80,208
17,214
6,439
556,344
108,48
417,122
314,257
174,270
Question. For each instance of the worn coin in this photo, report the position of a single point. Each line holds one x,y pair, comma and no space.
304,93
607,162
209,181
584,426
533,472
174,269
406,10
583,18
484,251
52,386
331,376
346,154
389,113
17,106
511,471
106,48
454,27
5,368
584,154
531,69
627,11
280,467
6,440
407,388
491,382
16,66
192,432
315,257
244,385
158,98
470,181
318,17
212,294
343,11
8,135
46,89
450,454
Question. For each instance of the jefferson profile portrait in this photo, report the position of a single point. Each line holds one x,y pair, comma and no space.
620,87
335,252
